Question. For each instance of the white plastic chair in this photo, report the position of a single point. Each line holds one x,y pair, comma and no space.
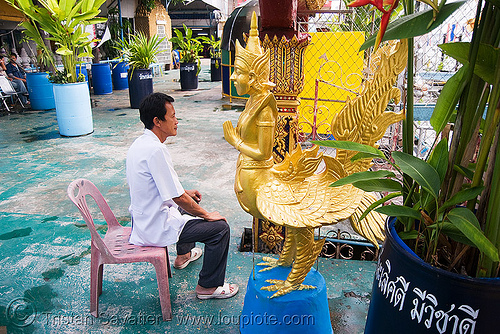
8,91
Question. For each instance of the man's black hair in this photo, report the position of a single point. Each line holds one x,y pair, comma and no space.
153,106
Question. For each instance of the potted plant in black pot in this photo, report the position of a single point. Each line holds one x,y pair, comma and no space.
438,271
65,23
215,57
190,64
140,52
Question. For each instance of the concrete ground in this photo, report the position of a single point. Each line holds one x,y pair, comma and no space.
44,243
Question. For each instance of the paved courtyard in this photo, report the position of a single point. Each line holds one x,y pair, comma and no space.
45,245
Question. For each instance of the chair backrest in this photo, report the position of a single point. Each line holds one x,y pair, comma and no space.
6,86
82,188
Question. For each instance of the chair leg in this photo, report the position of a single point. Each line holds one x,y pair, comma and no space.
168,264
99,282
95,272
163,289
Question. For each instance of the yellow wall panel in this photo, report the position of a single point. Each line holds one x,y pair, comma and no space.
331,61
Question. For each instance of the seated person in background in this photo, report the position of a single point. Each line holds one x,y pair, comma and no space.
16,76
163,213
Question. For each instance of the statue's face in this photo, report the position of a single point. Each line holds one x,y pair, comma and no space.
241,78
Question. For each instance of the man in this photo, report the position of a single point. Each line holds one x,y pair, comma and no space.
162,211
17,77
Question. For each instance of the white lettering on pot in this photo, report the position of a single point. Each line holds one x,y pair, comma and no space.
188,68
456,320
145,76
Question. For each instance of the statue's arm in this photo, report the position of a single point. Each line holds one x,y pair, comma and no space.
260,150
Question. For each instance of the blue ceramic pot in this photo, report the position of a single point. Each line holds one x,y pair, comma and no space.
189,76
140,82
411,296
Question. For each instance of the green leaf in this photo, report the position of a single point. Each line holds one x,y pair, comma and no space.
409,235
414,25
439,158
451,231
448,99
378,185
467,172
362,176
350,146
461,197
377,203
363,155
486,60
467,223
420,171
399,211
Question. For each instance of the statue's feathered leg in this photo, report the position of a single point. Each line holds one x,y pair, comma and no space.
307,250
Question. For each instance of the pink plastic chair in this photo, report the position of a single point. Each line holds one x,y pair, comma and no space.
115,248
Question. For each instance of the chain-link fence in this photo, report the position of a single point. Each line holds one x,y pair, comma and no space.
335,70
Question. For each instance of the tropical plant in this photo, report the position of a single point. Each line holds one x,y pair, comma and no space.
140,51
215,51
188,46
64,21
111,47
449,213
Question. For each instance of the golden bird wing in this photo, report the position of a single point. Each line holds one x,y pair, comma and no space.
307,202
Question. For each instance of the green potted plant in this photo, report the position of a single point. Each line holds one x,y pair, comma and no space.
190,64
140,52
215,57
438,271
65,23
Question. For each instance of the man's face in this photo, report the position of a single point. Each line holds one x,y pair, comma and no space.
13,59
169,126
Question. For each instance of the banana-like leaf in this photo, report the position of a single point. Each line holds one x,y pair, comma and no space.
467,223
379,202
467,172
461,197
351,146
420,171
414,24
439,158
399,211
378,185
362,176
451,231
486,60
448,99
64,51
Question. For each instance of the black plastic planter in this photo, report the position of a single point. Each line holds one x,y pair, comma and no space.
215,69
140,83
411,296
189,76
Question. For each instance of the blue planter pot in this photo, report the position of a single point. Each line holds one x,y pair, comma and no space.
411,296
40,90
140,82
101,79
119,75
189,76
73,110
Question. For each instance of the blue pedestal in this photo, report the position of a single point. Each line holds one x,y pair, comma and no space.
301,312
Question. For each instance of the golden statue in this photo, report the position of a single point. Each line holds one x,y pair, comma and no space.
293,193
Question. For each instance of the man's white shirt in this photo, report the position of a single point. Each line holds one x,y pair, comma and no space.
153,183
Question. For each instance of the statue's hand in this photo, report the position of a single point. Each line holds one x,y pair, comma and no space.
230,133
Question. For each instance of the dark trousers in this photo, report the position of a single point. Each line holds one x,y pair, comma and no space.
215,236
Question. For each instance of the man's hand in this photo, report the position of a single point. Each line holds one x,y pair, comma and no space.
213,216
195,195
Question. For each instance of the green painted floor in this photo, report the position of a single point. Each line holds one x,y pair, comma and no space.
44,243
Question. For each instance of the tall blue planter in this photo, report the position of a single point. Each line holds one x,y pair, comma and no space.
73,109
40,90
119,74
101,79
410,296
140,82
